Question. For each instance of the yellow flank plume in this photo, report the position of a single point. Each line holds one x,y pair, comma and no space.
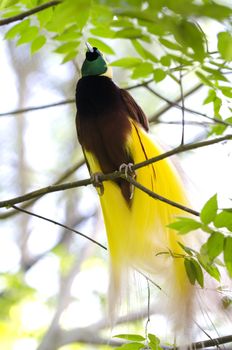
137,235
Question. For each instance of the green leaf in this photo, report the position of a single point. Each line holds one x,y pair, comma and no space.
17,29
215,245
155,28
129,33
215,73
169,44
159,75
127,62
69,13
38,43
132,337
121,23
190,270
153,339
70,34
180,59
211,97
67,47
7,3
70,56
101,46
45,16
214,10
142,15
166,60
217,103
227,91
103,32
209,210
143,52
225,45
143,70
185,225
207,264
228,254
101,14
224,219
189,35
28,35
204,79
199,273
187,250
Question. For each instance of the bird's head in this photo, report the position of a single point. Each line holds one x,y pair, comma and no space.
94,63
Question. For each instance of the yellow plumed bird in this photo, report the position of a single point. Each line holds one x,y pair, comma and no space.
112,130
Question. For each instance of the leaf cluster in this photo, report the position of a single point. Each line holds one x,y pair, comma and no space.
165,38
138,342
217,223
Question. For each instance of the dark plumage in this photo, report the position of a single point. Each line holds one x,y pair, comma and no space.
102,121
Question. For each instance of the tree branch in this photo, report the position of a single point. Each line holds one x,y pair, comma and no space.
182,108
60,179
43,191
59,224
111,176
182,148
28,13
36,108
161,198
208,343
60,103
174,104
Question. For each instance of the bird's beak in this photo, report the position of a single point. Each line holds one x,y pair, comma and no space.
89,47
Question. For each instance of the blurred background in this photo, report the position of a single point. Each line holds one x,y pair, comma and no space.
53,282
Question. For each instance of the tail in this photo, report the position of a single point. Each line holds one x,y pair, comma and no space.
138,236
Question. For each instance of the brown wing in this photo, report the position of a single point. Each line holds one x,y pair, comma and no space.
135,112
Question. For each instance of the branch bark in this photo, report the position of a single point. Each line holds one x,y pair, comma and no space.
59,224
37,108
28,13
192,111
111,176
161,198
60,179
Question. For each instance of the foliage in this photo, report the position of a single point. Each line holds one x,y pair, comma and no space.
138,342
165,40
167,36
217,223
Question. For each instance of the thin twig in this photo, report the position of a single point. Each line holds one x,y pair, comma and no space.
59,224
45,190
174,104
60,179
145,84
60,103
161,198
183,148
209,343
158,114
182,109
28,13
148,310
36,108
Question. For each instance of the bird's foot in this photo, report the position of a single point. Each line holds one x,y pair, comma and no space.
129,171
97,183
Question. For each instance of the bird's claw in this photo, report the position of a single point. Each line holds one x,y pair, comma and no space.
97,183
127,169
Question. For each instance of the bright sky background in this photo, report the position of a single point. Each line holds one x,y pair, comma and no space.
206,171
